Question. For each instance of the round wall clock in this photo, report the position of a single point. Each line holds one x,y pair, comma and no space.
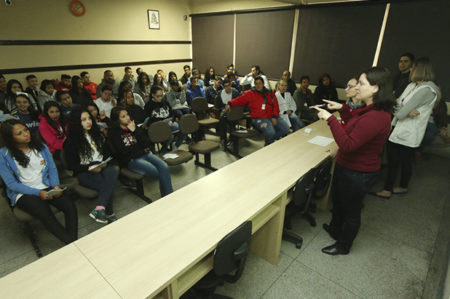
77,8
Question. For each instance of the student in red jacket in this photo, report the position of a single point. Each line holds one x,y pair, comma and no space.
53,127
89,85
358,159
264,111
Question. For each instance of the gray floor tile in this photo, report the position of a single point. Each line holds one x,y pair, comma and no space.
257,278
375,268
18,262
298,281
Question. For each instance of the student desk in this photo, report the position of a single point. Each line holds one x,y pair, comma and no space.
162,249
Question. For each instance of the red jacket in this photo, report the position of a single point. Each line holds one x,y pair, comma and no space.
53,138
255,102
361,140
92,88
60,86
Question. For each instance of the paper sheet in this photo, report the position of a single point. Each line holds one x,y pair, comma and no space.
170,156
320,140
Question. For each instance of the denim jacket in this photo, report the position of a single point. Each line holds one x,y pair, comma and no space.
10,175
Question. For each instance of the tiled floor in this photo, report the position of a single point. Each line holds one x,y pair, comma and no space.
390,257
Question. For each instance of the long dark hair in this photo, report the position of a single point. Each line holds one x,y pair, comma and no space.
61,120
75,88
33,113
76,133
122,87
8,139
383,99
140,78
115,115
321,81
208,76
9,85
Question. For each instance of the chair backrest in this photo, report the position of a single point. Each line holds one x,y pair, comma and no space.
303,189
188,124
199,105
159,132
323,178
232,251
236,113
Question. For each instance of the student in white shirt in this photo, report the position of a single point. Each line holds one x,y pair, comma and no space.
249,79
106,101
288,107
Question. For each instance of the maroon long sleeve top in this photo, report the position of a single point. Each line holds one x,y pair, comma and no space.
361,140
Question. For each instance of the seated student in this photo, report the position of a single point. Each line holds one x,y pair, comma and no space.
47,93
288,107
85,147
176,98
225,95
26,112
139,70
291,86
132,146
142,86
128,77
125,85
33,86
106,101
210,76
28,170
173,77
304,101
53,127
90,86
193,90
213,90
159,109
325,90
64,83
196,74
255,72
79,95
234,80
158,81
264,111
100,118
164,80
2,89
12,88
187,74
65,101
108,79
136,112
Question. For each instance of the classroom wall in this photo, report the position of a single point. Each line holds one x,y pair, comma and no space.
111,20
206,6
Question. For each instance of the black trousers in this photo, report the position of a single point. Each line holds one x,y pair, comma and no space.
399,158
40,209
348,190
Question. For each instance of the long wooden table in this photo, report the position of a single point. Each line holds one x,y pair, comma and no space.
162,249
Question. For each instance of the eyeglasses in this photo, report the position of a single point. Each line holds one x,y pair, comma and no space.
350,86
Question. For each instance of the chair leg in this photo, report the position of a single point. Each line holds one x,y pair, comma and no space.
139,191
293,238
310,219
207,163
30,233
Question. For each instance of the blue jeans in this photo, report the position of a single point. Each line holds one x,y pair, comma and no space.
180,112
296,123
179,137
347,191
270,132
151,165
104,183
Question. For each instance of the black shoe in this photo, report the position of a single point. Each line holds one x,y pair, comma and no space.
327,228
334,250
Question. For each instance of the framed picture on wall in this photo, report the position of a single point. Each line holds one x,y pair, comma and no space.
153,19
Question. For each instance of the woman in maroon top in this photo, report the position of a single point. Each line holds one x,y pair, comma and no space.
358,158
